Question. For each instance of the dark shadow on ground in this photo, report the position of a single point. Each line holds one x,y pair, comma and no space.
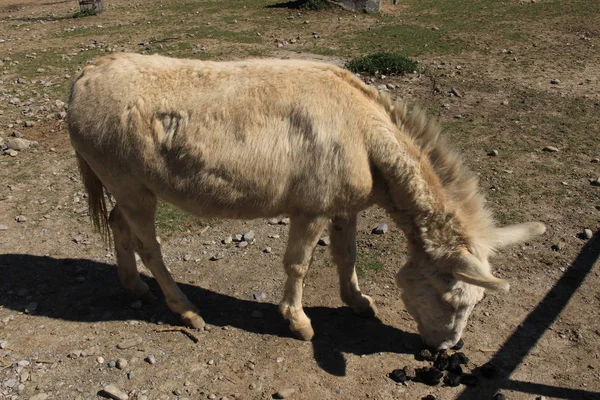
523,340
54,284
295,5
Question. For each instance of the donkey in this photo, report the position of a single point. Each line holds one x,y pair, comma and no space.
262,138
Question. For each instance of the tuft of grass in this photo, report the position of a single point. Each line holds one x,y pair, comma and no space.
366,262
387,63
170,219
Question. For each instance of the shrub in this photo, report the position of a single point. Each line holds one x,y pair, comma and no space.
383,63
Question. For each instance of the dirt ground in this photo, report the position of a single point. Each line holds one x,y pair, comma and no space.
527,77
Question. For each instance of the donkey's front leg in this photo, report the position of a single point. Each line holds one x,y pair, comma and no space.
303,237
343,249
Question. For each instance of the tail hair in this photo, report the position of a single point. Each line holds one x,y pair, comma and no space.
96,200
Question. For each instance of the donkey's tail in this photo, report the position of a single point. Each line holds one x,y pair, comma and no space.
96,201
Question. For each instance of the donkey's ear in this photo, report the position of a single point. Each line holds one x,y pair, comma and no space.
513,234
470,270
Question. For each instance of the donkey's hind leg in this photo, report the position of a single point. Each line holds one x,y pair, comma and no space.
303,237
139,210
343,248
128,273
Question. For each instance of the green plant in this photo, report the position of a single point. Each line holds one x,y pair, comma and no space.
384,63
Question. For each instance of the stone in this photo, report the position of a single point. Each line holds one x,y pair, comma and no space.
556,247
380,229
12,153
274,221
285,221
150,359
238,238
31,307
248,236
3,344
259,296
39,396
100,360
324,241
587,233
504,102
555,81
121,363
266,249
16,134
115,393
284,393
550,149
492,153
29,124
187,257
128,343
242,244
14,101
18,144
227,240
595,160
455,92
216,257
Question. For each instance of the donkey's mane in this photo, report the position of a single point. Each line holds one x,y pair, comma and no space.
460,184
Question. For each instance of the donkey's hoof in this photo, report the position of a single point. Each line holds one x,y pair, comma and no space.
365,307
305,332
193,320
141,290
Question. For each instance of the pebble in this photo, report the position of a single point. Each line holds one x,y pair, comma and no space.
242,244
595,182
595,160
284,393
29,124
12,153
238,237
493,153
455,92
248,236
227,240
128,343
273,221
21,218
266,249
115,393
216,257
285,221
380,229
14,100
259,296
3,344
136,305
31,307
121,363
324,241
587,233
187,257
150,359
550,149
556,247
18,144
555,81
504,102
112,364
100,360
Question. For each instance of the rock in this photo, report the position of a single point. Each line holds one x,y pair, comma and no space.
285,221
31,307
391,86
242,244
595,160
14,101
100,360
489,370
16,134
265,250
556,247
455,92
115,393
555,81
550,149
150,359
3,344
121,363
18,144
595,182
499,396
136,305
227,240
398,375
273,221
216,257
492,153
238,238
128,343
248,236
12,153
187,257
587,233
29,124
380,229
39,396
59,104
324,241
504,102
284,393
259,296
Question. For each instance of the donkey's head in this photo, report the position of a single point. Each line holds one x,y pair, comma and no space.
440,293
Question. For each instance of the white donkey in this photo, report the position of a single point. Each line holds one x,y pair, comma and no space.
263,138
